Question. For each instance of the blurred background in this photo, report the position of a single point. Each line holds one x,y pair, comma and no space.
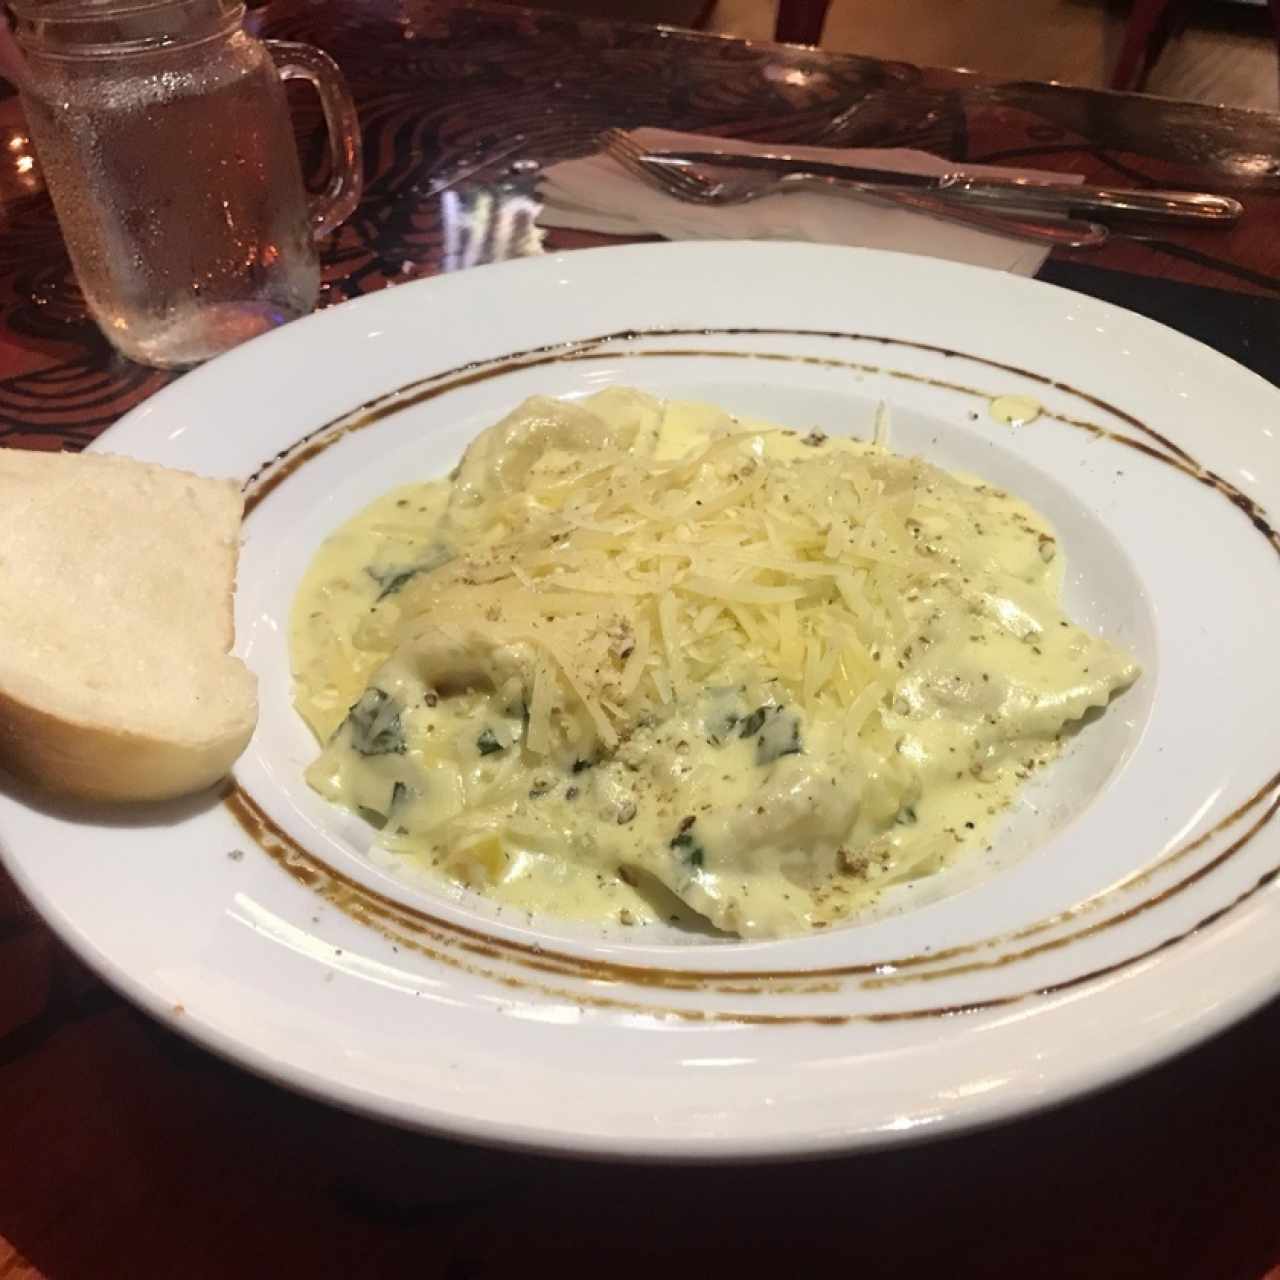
1221,51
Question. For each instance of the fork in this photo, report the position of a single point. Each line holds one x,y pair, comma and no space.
689,185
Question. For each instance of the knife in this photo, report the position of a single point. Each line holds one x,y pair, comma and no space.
1022,194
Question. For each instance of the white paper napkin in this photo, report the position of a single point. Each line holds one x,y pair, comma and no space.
596,194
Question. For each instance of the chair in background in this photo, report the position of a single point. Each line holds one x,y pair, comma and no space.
1151,23
801,21
797,21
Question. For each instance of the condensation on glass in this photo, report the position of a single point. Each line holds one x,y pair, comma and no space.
166,144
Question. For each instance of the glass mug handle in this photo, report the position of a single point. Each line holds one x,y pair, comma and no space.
337,202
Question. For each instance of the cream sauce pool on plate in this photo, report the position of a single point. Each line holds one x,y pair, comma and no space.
871,659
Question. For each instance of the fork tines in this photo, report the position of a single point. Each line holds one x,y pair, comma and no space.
632,156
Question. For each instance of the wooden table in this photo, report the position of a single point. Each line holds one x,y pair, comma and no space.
124,1152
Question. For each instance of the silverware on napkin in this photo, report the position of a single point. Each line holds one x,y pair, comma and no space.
1014,193
690,184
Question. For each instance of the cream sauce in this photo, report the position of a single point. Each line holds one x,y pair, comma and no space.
1015,411
743,803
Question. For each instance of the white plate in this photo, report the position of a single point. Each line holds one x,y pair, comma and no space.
1126,912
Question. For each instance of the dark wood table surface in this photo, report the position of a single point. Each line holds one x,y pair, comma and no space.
125,1152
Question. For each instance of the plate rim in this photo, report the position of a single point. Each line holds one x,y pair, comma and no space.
242,1052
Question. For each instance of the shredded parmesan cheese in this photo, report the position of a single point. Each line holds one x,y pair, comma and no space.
792,558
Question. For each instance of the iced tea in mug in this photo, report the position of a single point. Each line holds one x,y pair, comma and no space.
166,145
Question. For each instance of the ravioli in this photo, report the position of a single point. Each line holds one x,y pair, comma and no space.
638,660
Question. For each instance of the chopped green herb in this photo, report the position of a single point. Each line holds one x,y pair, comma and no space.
393,577
720,725
691,852
753,723
375,725
391,580
779,737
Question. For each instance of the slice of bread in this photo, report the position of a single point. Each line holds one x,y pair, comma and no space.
116,584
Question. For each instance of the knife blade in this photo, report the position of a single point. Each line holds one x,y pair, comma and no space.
1021,193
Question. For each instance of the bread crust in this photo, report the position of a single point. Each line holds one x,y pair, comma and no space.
89,762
